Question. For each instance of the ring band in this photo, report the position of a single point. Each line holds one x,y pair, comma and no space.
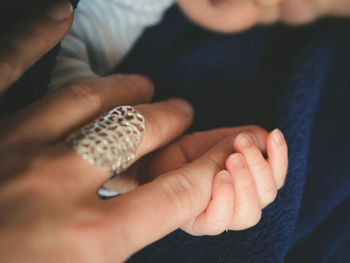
111,140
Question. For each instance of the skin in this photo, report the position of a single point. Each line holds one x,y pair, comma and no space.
236,15
48,192
235,194
52,212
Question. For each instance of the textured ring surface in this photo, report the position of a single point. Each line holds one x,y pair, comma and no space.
111,140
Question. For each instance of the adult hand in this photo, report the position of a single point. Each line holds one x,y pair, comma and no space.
48,192
50,209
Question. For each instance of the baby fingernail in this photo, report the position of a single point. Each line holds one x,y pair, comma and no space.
237,160
225,177
245,141
278,136
60,10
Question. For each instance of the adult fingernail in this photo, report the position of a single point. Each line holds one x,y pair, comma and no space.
278,136
60,10
244,141
140,81
182,105
237,160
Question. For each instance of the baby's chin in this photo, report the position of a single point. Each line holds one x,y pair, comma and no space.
230,16
224,16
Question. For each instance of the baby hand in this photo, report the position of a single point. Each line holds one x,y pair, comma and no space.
247,185
220,178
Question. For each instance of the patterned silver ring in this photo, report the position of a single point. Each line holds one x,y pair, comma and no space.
111,140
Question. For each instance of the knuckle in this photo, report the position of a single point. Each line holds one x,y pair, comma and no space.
218,223
215,228
249,220
269,196
280,183
260,165
245,184
153,126
213,162
254,219
83,93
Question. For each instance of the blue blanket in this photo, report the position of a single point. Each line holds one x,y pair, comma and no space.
294,79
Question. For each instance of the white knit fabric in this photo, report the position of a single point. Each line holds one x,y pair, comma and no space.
102,34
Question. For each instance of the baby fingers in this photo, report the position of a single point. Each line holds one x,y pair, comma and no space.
277,152
217,218
247,208
259,167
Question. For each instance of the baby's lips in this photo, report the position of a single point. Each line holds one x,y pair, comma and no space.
218,2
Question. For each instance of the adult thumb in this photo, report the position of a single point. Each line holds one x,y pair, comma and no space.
30,38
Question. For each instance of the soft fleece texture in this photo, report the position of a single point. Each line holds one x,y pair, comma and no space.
295,79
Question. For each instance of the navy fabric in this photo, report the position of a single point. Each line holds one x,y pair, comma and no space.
296,79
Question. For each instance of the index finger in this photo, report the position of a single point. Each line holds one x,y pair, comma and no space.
32,38
164,121
151,211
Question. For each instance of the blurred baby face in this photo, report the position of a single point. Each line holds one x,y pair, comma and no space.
237,15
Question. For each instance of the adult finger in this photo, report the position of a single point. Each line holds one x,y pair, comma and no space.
164,204
195,144
31,39
164,121
172,157
178,154
73,105
141,217
191,146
